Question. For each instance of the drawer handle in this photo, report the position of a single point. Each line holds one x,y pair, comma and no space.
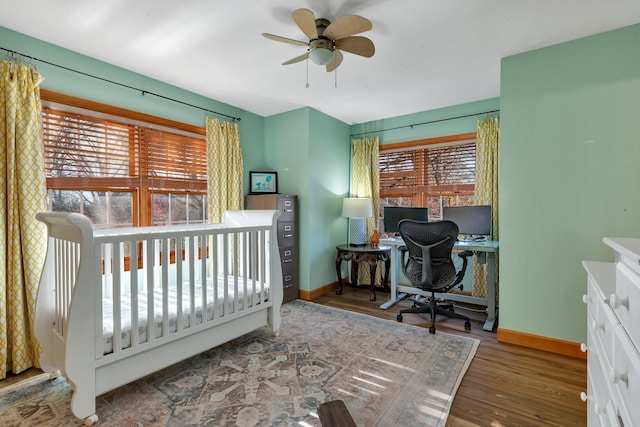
287,260
287,210
586,299
616,302
287,235
583,348
617,377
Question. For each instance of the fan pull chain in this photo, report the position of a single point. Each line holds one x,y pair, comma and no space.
335,76
307,85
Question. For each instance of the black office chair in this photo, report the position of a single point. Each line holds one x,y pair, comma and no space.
429,265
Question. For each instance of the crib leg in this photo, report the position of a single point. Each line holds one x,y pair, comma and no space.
91,420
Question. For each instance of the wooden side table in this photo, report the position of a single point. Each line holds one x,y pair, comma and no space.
370,254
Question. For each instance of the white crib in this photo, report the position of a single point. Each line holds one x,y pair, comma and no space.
202,285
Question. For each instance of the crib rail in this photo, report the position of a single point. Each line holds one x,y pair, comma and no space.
138,287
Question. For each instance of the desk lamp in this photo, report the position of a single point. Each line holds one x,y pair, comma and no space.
357,209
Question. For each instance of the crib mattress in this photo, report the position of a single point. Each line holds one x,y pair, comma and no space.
243,300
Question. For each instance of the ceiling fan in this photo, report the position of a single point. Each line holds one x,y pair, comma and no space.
328,39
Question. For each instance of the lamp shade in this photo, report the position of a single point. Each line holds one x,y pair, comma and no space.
357,207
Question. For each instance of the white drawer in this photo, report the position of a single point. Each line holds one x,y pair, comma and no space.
600,407
604,327
626,301
624,374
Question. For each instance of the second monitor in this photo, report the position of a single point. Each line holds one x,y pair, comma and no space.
473,221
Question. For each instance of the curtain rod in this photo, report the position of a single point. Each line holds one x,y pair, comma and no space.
143,92
427,123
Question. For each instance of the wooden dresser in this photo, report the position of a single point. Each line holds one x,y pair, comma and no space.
287,235
613,336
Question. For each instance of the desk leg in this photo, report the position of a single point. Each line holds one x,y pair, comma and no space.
489,324
373,266
393,282
387,264
339,273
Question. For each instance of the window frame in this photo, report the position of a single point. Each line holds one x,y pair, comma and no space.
420,196
141,195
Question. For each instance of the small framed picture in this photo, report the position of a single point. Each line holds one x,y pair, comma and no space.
263,182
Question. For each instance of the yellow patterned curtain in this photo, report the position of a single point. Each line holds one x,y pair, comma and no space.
22,194
224,168
365,182
486,188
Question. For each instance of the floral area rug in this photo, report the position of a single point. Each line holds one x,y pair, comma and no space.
387,373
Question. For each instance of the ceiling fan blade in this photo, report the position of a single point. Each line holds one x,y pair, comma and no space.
358,45
284,39
347,25
306,22
297,59
335,62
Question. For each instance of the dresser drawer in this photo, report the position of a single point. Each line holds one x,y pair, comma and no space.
604,326
288,258
626,301
290,285
600,410
287,206
286,234
624,374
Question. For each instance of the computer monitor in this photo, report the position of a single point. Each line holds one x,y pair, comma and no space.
471,220
393,215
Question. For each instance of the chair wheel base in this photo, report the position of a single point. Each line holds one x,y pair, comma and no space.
399,317
467,325
432,329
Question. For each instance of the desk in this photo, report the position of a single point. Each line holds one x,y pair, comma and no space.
371,254
484,249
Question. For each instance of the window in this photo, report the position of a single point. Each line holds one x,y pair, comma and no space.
121,171
429,173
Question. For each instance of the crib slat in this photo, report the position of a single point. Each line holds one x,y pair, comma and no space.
98,253
215,242
202,263
117,298
133,291
154,253
179,290
166,261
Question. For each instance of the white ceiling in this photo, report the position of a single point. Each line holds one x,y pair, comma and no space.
429,53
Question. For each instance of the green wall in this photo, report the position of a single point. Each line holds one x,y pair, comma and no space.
311,152
438,122
569,174
71,83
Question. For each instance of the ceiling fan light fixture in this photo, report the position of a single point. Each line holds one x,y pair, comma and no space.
321,55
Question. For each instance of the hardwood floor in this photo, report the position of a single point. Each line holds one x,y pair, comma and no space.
506,385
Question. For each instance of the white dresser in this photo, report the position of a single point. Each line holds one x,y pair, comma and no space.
613,336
